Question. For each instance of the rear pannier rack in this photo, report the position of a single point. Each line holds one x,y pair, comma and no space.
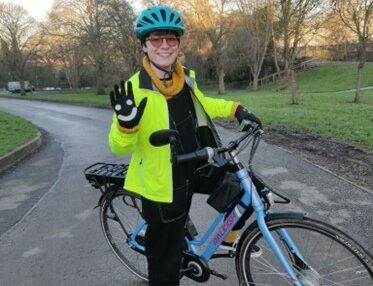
100,174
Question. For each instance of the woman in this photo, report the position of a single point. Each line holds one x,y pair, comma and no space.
164,95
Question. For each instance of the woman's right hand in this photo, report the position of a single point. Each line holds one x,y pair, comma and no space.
124,105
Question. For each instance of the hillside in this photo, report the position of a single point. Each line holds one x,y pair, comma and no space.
326,107
327,128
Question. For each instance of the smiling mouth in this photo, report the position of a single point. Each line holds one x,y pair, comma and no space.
128,117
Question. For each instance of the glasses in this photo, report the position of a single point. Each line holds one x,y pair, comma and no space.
157,41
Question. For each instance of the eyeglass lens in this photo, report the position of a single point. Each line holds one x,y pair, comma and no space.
158,41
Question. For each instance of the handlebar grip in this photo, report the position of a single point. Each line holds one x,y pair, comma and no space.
200,155
247,125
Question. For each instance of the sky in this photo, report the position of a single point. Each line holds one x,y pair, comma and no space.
37,8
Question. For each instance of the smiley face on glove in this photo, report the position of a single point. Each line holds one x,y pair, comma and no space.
128,114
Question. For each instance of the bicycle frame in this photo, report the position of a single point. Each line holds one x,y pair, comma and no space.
109,179
250,198
215,237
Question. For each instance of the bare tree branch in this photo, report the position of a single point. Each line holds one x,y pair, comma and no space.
20,38
357,15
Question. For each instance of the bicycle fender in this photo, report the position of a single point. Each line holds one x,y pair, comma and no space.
277,215
100,201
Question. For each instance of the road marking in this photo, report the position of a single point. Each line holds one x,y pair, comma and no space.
16,186
12,202
63,233
43,162
273,171
31,252
85,214
310,195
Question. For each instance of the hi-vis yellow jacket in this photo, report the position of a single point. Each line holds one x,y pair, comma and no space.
150,170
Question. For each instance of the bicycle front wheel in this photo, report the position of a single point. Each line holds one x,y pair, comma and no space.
334,258
119,216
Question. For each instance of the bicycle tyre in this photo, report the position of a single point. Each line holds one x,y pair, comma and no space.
115,236
334,255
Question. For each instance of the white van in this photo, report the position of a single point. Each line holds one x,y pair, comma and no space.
15,86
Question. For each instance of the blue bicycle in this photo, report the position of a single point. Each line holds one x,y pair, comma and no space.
277,248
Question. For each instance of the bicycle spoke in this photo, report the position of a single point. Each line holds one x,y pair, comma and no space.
344,270
256,284
347,281
271,267
338,262
118,221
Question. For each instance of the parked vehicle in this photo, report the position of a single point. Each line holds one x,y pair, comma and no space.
15,86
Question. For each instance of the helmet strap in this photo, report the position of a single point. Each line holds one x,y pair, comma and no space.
167,73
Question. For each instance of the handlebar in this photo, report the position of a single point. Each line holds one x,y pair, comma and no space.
208,153
204,154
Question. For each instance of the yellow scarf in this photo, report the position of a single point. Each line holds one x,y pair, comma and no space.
175,85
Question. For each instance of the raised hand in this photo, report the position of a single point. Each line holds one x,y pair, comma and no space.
123,103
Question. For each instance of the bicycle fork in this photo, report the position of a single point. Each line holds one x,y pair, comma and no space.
253,198
276,249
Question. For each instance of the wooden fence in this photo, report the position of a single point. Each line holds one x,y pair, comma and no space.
302,67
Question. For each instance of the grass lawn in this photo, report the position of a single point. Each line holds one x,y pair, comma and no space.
326,103
15,131
330,114
89,99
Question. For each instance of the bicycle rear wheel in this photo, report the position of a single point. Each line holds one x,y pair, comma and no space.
336,258
119,217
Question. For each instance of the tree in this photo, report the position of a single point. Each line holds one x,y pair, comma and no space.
299,21
19,40
121,17
57,52
150,3
254,34
357,16
213,21
84,23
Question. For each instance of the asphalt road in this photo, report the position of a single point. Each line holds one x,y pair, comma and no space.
49,231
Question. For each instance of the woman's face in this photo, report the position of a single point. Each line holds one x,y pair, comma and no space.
162,48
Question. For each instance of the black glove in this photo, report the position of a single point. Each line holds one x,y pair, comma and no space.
128,113
243,114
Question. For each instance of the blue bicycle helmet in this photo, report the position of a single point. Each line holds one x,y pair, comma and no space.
158,18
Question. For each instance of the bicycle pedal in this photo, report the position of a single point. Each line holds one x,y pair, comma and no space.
217,274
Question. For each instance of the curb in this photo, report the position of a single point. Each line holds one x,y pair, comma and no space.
20,153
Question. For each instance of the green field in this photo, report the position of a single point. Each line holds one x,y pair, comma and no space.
326,107
15,131
89,99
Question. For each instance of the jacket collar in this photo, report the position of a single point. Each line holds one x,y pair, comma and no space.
145,82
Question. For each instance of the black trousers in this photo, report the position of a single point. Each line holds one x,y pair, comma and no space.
164,238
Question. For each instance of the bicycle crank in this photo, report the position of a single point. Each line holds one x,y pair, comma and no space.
195,268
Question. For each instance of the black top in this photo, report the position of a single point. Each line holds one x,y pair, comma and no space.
183,118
